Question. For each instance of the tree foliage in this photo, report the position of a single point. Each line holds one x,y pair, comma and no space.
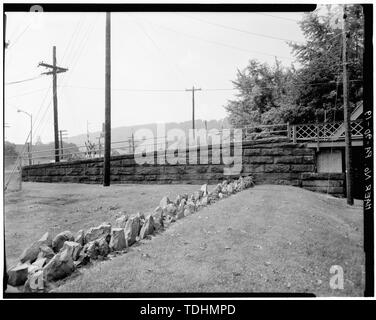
10,153
312,92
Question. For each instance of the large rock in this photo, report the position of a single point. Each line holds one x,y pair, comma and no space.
180,210
230,188
74,248
164,202
190,206
170,210
40,262
31,253
240,185
35,282
121,221
17,275
158,218
177,200
185,196
197,195
45,252
248,181
60,266
58,241
204,189
33,268
142,218
132,229
97,232
103,246
80,237
89,250
117,242
187,212
217,189
167,220
148,227
204,201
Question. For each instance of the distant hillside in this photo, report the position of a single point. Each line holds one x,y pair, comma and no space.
43,153
124,133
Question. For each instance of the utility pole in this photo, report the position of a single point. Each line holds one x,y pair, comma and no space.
54,70
193,105
107,137
346,111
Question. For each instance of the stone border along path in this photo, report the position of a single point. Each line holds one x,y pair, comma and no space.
48,259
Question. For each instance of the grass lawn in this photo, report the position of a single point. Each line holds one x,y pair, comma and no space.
268,238
55,207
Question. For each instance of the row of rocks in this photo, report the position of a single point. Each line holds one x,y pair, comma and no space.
50,259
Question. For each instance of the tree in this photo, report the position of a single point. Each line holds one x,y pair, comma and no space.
10,153
273,95
320,77
264,92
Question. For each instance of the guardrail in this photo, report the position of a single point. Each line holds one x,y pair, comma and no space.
327,131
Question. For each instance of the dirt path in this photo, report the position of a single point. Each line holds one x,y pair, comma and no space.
269,238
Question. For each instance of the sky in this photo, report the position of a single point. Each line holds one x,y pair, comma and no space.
154,57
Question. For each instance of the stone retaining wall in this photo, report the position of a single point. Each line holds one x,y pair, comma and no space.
272,161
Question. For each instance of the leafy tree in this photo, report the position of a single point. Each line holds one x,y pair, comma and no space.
272,95
263,93
10,153
319,80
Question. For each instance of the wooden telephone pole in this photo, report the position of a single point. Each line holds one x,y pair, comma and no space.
54,70
346,111
193,105
107,122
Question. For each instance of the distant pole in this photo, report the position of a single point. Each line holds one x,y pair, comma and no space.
107,137
133,147
193,105
346,111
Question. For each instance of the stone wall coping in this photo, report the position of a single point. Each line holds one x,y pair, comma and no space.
260,143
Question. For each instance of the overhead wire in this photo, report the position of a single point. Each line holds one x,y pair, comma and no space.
240,30
23,80
68,49
162,53
75,58
217,42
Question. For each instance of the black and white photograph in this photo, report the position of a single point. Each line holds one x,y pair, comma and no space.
187,150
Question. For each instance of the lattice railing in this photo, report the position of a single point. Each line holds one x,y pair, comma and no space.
324,131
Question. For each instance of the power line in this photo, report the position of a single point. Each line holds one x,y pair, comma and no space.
25,93
219,43
24,80
183,90
158,48
277,17
74,60
240,30
19,36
